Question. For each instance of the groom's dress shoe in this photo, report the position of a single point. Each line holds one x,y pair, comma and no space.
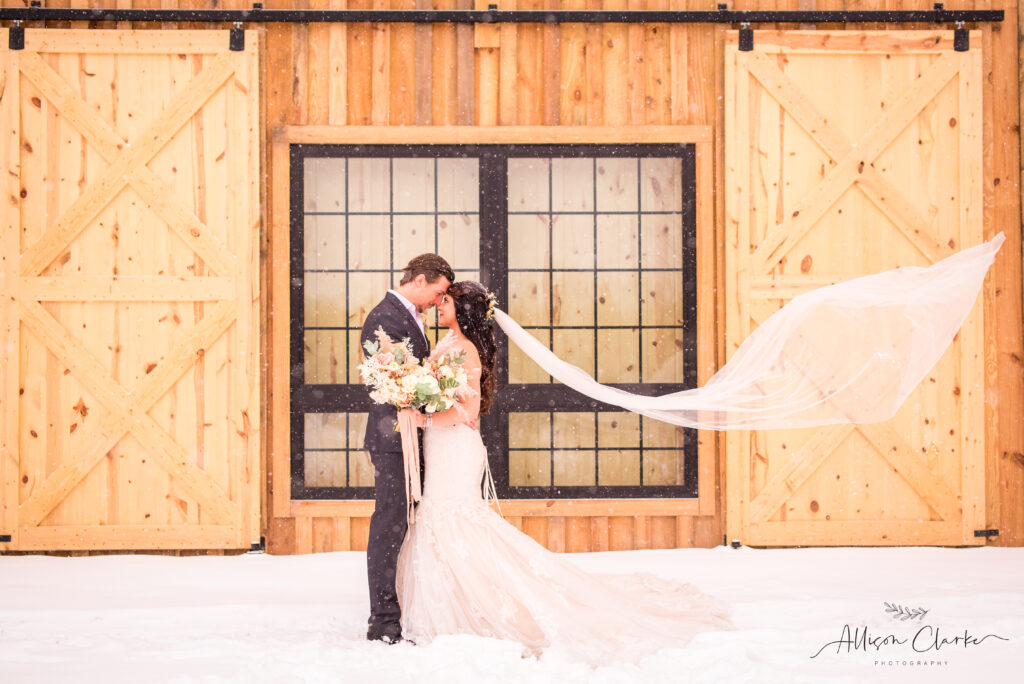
389,639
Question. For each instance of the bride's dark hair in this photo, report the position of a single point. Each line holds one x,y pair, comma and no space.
471,305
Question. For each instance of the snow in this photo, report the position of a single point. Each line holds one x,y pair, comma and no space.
292,619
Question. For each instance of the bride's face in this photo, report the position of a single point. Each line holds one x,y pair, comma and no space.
446,313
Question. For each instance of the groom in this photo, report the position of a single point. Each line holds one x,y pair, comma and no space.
424,282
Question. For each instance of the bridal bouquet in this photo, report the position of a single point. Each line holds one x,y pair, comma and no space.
398,378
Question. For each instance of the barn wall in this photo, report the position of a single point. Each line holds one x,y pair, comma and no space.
391,75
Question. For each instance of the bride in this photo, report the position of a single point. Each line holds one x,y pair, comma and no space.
464,570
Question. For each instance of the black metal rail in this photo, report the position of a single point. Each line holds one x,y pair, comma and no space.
937,15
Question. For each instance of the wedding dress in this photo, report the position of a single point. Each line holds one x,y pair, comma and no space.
464,570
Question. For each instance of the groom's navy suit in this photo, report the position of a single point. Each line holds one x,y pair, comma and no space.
388,524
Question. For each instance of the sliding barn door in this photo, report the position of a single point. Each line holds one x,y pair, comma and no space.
130,224
849,153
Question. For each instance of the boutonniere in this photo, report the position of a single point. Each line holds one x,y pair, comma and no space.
426,323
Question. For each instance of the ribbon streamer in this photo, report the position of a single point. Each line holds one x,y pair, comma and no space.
411,458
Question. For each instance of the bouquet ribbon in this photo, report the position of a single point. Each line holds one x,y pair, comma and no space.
411,457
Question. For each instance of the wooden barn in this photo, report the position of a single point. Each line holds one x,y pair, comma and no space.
202,200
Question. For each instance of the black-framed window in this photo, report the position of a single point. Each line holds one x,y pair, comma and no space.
590,247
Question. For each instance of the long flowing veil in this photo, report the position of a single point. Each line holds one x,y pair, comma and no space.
844,353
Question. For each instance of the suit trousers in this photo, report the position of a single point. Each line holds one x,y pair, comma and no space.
388,526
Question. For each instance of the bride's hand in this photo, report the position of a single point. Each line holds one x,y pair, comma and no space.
472,424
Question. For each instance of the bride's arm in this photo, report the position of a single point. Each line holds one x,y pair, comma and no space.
468,408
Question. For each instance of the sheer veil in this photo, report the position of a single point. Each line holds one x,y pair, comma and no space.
845,353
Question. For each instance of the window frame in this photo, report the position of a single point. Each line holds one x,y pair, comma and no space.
493,269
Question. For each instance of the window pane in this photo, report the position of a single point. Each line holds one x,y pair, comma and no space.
617,240
332,450
521,368
529,301
573,298
528,185
324,184
618,468
572,241
324,357
413,184
617,186
574,468
661,184
458,185
572,185
529,468
458,241
369,185
528,241
529,430
324,295
324,242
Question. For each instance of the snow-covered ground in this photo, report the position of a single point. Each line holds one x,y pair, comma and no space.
260,618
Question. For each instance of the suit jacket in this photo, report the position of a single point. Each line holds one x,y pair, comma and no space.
398,323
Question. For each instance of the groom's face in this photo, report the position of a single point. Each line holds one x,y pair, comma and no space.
430,294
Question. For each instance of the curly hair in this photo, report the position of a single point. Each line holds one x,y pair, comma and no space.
471,305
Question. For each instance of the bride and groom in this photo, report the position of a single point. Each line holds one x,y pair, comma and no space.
459,568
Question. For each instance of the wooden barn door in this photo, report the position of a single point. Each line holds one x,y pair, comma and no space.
130,282
849,153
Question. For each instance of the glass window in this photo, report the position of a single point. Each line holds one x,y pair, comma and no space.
590,248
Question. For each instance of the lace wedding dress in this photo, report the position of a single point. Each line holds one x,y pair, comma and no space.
464,570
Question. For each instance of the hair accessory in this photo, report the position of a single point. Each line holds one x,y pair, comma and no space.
492,301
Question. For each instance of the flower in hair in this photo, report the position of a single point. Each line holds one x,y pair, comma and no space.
492,301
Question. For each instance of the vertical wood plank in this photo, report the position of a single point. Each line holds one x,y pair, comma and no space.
424,68
663,532
338,68
1003,209
616,69
556,534
300,69
577,534
552,77
704,532
360,73
635,90
303,534
444,109
360,529
620,533
10,342
280,327
402,79
537,527
380,78
642,532
342,534
319,75
243,150
599,533
573,44
529,66
972,335
678,52
508,75
684,531
594,66
465,65
486,71
657,73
